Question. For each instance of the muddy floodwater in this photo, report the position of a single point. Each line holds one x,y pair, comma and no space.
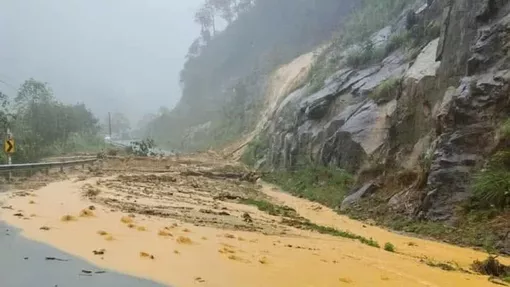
195,222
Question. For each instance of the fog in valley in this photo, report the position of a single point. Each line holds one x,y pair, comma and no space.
113,55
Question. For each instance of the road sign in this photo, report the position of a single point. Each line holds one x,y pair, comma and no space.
9,146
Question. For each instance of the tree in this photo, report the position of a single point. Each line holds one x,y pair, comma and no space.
6,116
205,18
42,125
225,9
33,92
243,6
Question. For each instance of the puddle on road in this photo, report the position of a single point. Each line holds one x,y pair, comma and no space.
184,249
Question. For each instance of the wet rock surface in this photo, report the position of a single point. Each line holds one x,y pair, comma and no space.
339,115
441,124
355,197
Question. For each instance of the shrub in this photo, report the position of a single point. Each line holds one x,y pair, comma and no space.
365,56
387,90
372,16
492,186
389,247
255,150
397,41
505,130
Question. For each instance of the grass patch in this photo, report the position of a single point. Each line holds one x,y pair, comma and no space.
307,225
387,90
441,265
493,187
320,184
474,228
270,208
388,246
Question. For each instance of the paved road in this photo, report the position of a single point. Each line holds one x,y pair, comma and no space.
23,264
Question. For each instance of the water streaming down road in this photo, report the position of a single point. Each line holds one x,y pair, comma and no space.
197,239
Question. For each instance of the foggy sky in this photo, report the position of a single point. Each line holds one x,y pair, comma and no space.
114,55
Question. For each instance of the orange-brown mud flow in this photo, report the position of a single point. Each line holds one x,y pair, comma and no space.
183,222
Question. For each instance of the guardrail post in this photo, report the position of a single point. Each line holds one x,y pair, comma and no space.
10,163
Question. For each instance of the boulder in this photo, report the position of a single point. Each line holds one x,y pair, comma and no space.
365,191
318,109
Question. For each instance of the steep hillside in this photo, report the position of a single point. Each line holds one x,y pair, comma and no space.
284,80
226,71
418,113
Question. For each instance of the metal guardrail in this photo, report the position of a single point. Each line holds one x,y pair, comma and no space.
61,164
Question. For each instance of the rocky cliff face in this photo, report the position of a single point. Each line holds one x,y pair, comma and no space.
436,121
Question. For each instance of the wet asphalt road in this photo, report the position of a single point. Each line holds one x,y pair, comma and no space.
23,263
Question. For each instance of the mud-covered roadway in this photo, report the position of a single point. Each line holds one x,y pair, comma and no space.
202,193
201,220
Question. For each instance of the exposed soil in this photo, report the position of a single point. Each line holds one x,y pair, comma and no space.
200,220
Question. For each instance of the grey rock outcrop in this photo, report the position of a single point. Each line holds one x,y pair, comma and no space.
468,115
355,197
441,123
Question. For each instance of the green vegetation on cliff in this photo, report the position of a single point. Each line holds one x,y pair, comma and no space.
372,16
225,73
